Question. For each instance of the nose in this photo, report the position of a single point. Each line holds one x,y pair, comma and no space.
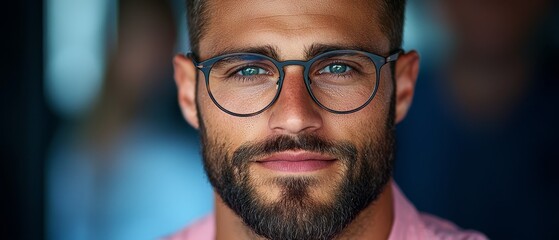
294,112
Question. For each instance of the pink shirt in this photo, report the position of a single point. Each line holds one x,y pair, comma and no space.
408,224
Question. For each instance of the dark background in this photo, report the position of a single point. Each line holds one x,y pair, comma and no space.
26,124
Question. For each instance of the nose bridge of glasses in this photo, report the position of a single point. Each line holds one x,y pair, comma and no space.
293,63
282,65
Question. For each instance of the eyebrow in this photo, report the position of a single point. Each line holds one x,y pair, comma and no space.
310,51
319,48
267,50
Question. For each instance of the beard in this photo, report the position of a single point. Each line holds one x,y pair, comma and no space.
367,167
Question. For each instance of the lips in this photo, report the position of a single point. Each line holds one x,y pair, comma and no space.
296,161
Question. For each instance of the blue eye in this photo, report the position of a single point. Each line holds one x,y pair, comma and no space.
251,71
336,68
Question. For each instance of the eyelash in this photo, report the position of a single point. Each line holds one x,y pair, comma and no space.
234,73
346,74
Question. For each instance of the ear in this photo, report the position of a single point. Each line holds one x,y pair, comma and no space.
185,78
407,69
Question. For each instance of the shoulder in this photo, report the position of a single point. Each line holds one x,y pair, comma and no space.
437,228
203,229
412,224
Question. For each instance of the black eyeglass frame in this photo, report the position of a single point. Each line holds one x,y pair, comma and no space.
379,61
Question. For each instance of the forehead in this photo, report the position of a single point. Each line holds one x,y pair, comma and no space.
290,25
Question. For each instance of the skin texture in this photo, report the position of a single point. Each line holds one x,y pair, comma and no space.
292,28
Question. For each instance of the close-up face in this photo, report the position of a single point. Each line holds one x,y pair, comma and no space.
295,164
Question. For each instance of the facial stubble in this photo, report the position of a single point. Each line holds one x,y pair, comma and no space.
295,214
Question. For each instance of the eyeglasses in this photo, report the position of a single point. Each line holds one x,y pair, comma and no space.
339,81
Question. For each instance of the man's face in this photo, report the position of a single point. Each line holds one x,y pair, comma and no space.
296,171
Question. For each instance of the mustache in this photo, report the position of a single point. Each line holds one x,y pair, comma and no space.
304,142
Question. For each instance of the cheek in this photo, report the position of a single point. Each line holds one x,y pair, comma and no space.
368,122
356,127
385,88
225,128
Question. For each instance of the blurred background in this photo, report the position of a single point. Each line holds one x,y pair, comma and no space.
93,144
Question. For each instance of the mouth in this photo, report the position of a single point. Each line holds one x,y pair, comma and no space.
296,161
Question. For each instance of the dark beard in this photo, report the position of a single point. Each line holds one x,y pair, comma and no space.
296,215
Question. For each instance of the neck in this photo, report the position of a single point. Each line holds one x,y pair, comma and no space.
374,222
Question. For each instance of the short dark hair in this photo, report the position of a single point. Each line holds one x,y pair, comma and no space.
391,13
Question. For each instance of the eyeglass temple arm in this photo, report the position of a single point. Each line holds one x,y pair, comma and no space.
394,56
193,58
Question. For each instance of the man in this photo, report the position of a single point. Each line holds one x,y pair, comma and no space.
296,103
